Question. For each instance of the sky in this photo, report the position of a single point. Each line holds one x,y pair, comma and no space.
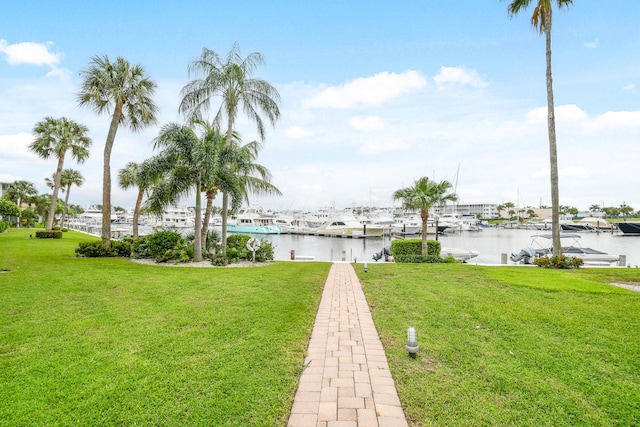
374,94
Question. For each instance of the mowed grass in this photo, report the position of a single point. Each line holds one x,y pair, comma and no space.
510,346
87,341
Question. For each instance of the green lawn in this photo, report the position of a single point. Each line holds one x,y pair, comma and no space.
510,345
109,342
86,341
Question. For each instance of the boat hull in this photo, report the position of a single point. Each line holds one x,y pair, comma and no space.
254,229
630,228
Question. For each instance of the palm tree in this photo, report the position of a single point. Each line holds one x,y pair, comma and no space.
541,21
19,191
125,92
423,195
231,79
54,137
67,179
186,164
136,175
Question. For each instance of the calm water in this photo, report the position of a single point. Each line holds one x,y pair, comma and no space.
490,244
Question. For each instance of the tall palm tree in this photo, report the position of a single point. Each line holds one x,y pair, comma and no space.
125,92
20,191
541,21
185,165
136,175
54,137
422,196
231,79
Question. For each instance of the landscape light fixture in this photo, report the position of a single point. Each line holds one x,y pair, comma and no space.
412,343
366,267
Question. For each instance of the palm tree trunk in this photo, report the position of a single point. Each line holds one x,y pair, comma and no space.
54,196
136,213
205,220
106,176
66,203
424,215
225,196
197,244
553,152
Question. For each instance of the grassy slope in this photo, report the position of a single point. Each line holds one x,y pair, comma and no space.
509,345
110,342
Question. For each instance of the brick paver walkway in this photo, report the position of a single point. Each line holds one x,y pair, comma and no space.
346,381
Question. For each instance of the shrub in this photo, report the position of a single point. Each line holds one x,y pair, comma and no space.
181,252
412,258
96,248
237,249
3,226
53,234
561,262
139,248
410,247
219,260
158,243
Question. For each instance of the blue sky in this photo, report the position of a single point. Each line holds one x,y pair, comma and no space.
374,94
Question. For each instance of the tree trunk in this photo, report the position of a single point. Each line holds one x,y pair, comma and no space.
66,203
54,196
197,244
553,152
106,176
136,213
225,196
424,215
207,217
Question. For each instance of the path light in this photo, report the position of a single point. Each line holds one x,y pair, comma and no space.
366,267
412,343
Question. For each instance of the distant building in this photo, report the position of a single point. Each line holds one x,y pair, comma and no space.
480,210
4,186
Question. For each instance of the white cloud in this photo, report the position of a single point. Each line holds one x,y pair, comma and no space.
30,53
15,146
617,120
630,87
369,123
296,132
564,113
368,91
458,76
591,45
384,146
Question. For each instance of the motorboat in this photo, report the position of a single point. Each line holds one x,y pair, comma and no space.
629,228
406,226
252,220
348,226
543,247
587,224
461,255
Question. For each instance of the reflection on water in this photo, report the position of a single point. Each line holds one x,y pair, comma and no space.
490,244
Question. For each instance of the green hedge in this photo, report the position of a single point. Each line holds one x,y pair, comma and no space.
54,234
3,226
96,248
410,251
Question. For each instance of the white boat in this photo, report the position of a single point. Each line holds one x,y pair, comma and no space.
458,222
543,246
177,217
253,220
348,226
403,226
461,255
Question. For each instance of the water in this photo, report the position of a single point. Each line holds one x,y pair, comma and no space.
490,243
